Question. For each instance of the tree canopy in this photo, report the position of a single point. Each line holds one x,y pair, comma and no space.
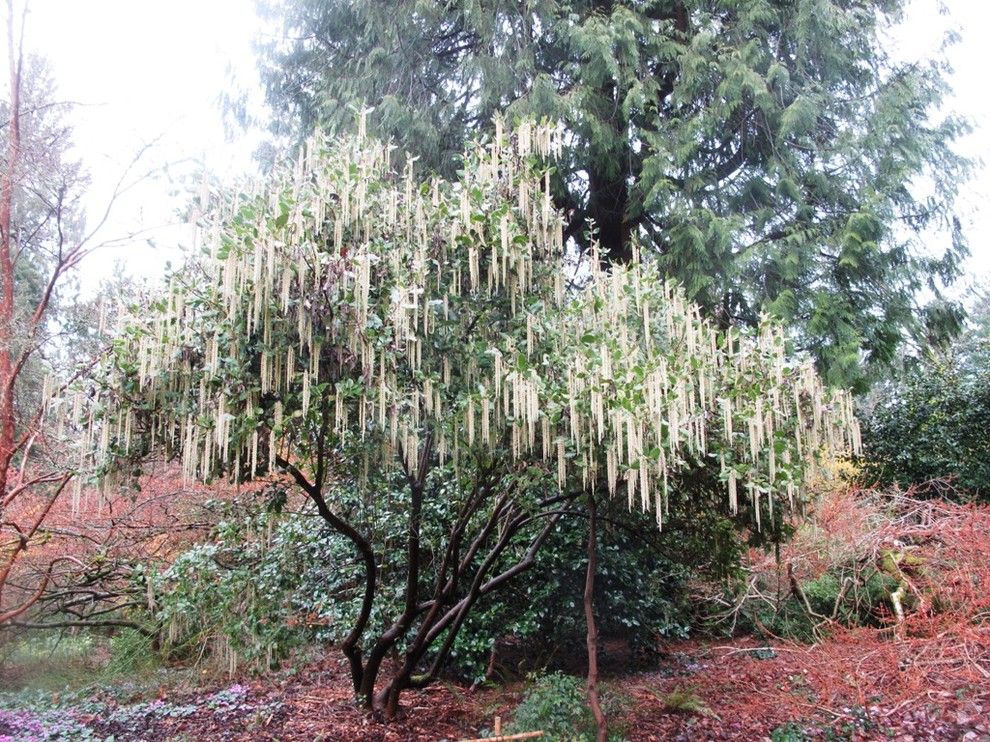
771,155
353,326
40,242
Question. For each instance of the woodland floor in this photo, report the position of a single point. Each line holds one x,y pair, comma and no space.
849,687
925,677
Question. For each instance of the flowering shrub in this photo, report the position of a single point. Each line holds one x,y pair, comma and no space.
408,351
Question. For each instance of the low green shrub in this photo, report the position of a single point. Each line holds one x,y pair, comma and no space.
556,704
684,699
865,604
642,587
542,609
269,580
931,422
248,596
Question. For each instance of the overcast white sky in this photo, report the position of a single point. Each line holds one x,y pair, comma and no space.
147,72
152,71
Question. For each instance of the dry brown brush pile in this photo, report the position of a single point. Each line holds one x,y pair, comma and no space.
875,623
892,588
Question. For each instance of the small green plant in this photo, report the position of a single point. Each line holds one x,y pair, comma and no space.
556,704
789,732
859,724
685,699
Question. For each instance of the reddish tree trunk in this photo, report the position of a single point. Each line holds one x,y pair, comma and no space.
589,616
7,419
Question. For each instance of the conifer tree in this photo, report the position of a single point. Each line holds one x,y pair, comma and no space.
770,154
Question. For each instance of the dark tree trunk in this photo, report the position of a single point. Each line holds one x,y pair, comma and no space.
608,202
445,613
451,621
388,702
351,644
608,185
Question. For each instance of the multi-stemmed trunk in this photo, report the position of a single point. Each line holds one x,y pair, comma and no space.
467,572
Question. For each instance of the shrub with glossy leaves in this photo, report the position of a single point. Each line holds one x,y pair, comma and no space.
554,704
933,422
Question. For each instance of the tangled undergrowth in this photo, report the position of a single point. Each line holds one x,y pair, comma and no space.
939,635
902,563
865,672
879,607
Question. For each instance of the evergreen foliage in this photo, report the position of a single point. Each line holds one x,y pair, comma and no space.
932,421
770,153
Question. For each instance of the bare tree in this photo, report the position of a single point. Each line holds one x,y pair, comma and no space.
43,238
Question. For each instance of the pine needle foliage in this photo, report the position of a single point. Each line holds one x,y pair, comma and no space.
771,153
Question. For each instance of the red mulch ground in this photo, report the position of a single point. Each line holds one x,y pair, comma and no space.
850,687
926,677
